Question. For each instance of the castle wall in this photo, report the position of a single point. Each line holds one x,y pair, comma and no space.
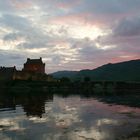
7,74
38,68
21,75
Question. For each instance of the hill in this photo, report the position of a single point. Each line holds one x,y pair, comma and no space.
60,74
123,71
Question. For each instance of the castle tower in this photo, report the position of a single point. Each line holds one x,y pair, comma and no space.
34,65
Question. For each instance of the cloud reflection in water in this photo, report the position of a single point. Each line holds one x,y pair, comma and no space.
69,118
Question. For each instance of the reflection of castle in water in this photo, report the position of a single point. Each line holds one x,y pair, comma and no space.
34,69
33,105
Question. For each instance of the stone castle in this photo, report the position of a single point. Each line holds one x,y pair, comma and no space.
33,69
34,65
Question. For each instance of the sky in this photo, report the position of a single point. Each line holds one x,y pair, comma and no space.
69,34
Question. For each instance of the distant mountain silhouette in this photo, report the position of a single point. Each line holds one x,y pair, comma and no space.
123,71
60,74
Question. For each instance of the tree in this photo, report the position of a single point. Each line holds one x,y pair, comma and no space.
65,80
86,79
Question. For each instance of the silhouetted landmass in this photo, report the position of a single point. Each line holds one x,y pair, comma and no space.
61,74
123,71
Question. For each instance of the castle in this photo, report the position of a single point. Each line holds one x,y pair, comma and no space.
34,65
33,69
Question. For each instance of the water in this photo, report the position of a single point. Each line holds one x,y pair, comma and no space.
55,117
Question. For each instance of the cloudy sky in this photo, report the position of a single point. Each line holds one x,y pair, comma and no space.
69,34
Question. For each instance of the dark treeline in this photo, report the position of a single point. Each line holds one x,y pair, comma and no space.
90,87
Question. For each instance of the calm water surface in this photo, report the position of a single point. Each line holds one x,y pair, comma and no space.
53,117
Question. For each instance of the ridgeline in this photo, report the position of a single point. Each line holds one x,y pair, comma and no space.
123,71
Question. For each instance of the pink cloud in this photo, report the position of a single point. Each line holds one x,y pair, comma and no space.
87,18
20,4
67,4
77,19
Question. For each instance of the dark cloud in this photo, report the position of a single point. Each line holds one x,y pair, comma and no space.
12,36
57,59
10,59
125,36
21,27
128,27
15,22
31,45
5,6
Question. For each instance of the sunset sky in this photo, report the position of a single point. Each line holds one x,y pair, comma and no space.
69,34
